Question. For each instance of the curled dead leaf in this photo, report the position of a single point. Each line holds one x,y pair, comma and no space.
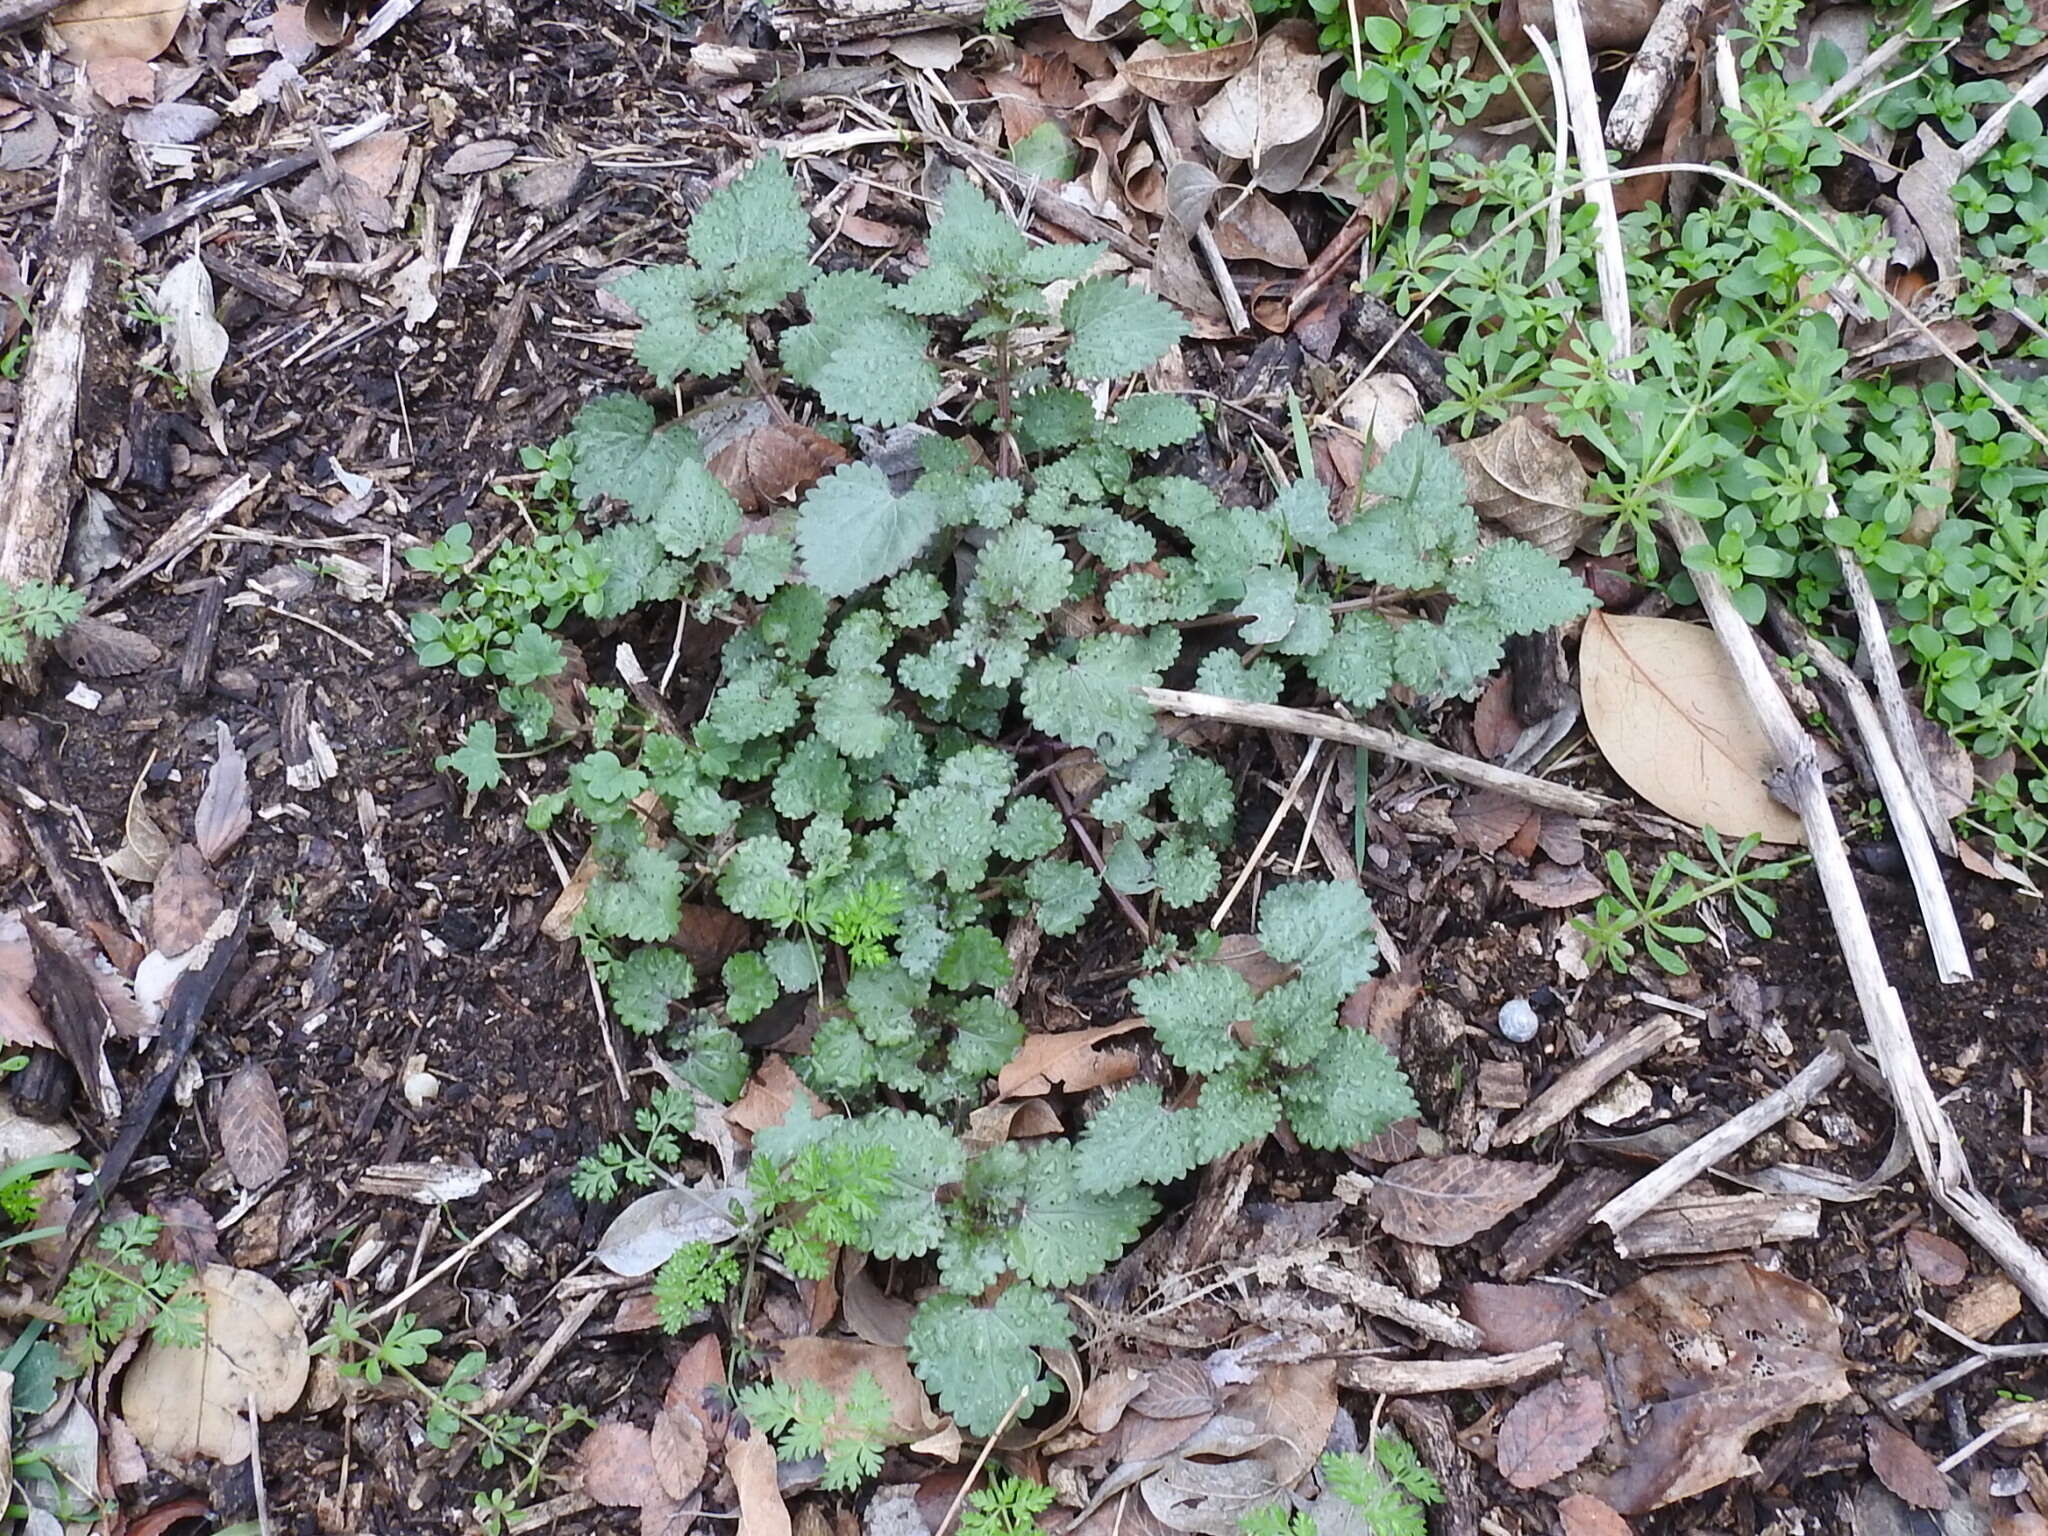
223,814
774,463
1185,77
1524,478
1072,1059
1272,102
95,648
750,1460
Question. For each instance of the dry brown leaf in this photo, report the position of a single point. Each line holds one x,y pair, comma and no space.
1904,1468
1519,1317
698,1381
617,1463
1179,1389
1253,228
1663,703
195,1402
1011,1120
1551,1431
1584,1515
223,814
184,902
1935,1259
189,1235
751,1462
252,1133
681,1450
1495,725
1707,1356
1521,476
1184,77
1488,819
1272,102
91,30
775,462
871,1312
1984,1306
1445,1200
1209,1497
122,81
1929,515
1109,1394
836,1364
1553,888
1296,1404
708,936
641,1237
1927,192
95,648
770,1092
1071,1059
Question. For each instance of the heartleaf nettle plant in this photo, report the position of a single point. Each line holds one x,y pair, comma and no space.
910,650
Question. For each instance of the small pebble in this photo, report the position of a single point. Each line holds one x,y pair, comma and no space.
1518,1020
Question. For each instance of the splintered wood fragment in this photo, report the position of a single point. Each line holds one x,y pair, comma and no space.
182,537
1558,1223
1696,1224
428,1183
1378,1300
272,288
309,761
1400,1378
1429,1428
1726,1138
195,670
40,479
235,188
505,333
1307,722
1656,65
1587,1077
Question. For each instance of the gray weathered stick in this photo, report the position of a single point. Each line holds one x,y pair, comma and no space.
40,479
1656,66
1454,765
1401,1378
1722,1141
1587,1077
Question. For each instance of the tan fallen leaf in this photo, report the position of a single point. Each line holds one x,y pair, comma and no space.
1072,1059
1252,228
751,1462
195,1402
1663,703
617,1463
1445,1200
836,1364
774,463
1272,102
223,814
184,901
91,30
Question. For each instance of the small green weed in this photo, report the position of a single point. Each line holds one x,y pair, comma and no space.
1649,916
1390,1490
1007,1506
120,1286
35,609
805,1420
